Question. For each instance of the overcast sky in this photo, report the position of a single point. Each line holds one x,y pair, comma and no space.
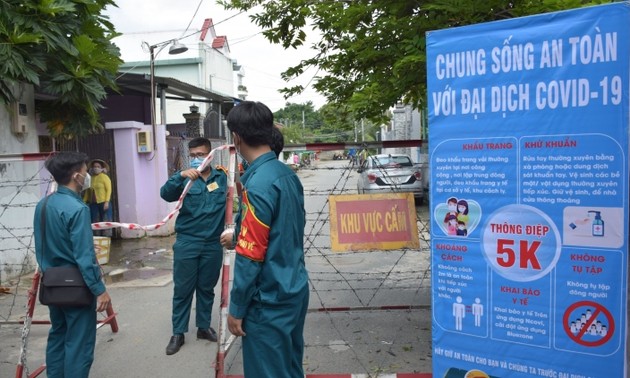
262,61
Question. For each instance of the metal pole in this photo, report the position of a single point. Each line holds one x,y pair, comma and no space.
162,94
152,105
220,123
362,131
224,342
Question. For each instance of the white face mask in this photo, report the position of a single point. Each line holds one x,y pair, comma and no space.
97,171
87,182
238,150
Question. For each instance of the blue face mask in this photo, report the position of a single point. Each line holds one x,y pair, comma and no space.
196,162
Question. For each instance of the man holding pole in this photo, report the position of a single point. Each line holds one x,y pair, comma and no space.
269,296
197,254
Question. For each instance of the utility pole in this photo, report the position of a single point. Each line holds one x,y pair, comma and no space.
362,131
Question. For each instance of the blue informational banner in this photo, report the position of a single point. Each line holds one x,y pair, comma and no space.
528,149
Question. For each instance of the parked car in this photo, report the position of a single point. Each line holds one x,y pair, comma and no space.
424,170
389,173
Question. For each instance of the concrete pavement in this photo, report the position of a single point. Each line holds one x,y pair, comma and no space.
364,341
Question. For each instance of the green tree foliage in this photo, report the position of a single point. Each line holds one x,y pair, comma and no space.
372,53
294,114
339,123
299,122
371,130
64,48
292,135
331,123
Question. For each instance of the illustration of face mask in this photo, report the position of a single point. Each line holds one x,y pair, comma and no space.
196,163
461,209
452,207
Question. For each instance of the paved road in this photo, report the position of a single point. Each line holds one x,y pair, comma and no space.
368,340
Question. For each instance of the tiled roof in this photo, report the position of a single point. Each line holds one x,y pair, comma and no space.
207,25
219,42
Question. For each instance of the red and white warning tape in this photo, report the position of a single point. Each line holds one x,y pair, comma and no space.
37,156
152,227
224,341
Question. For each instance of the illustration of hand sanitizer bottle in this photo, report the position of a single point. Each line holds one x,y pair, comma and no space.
598,223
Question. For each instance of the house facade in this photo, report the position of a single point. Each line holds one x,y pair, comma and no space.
23,180
137,151
206,64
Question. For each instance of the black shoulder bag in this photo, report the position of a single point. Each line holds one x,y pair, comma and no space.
61,286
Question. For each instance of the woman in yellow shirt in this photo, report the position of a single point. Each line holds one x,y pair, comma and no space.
100,194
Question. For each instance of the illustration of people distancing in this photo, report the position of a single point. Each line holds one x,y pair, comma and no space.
98,197
477,311
197,252
459,313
